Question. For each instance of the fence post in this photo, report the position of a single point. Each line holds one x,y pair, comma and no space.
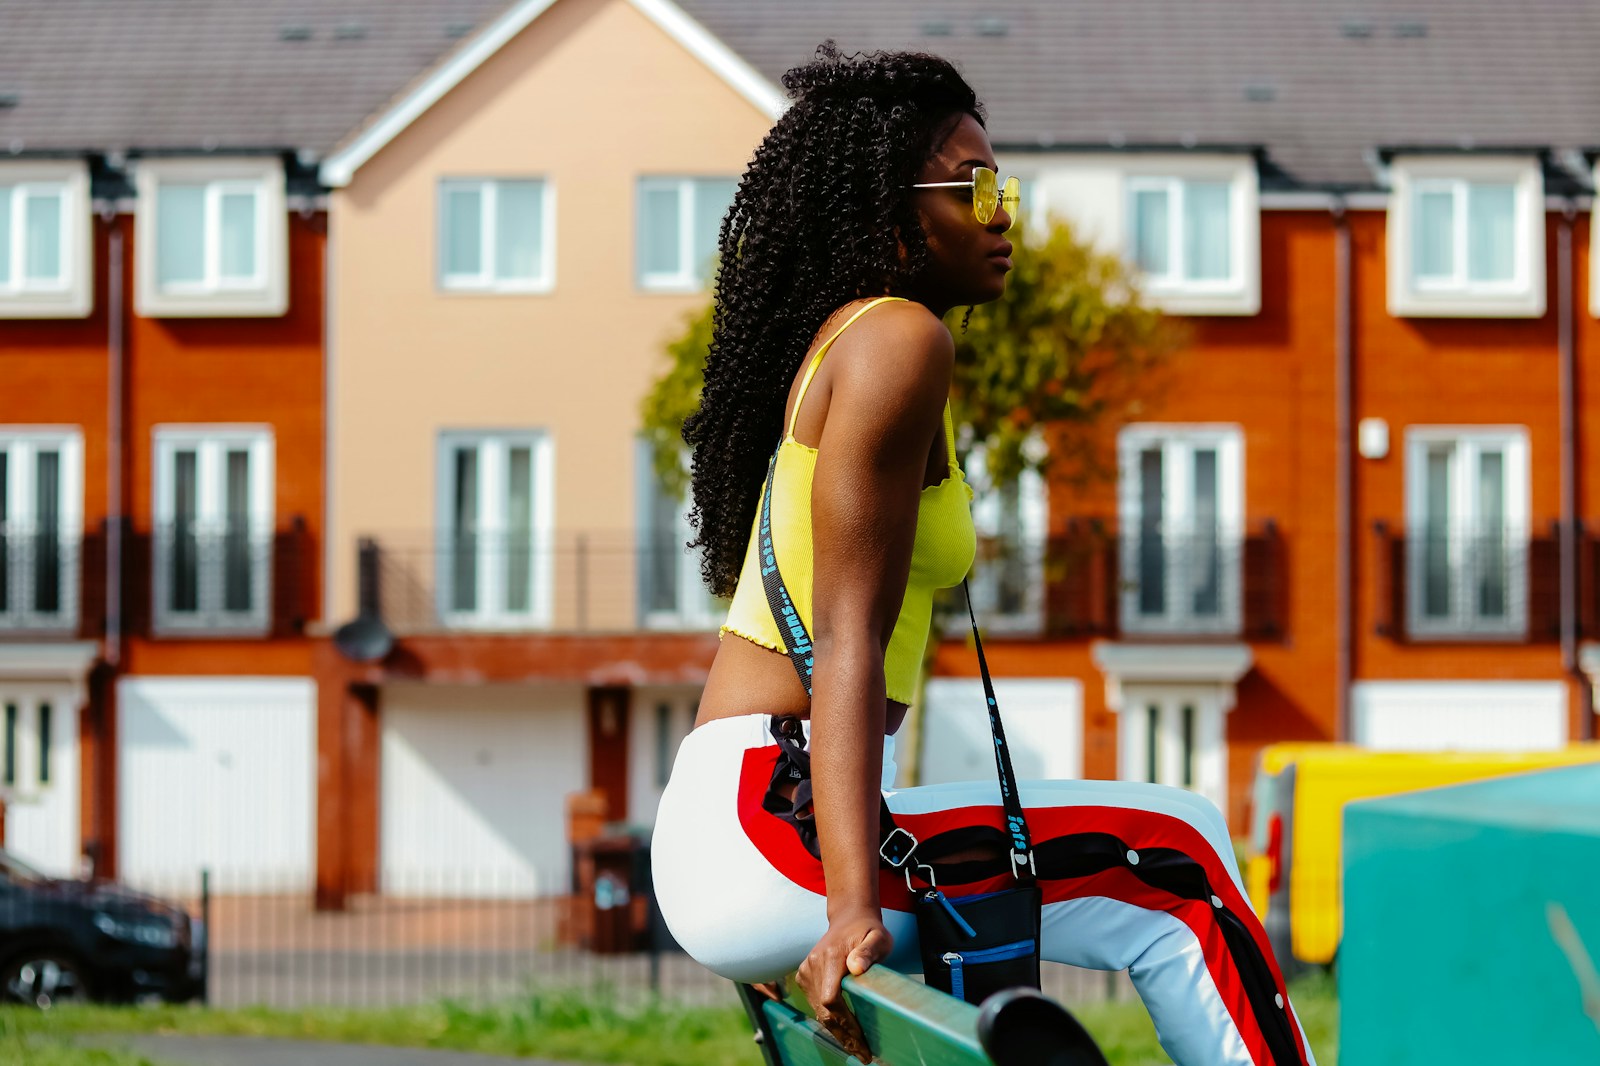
205,925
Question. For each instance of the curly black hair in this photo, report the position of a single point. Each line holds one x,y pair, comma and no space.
822,216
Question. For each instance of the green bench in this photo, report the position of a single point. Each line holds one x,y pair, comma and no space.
906,1023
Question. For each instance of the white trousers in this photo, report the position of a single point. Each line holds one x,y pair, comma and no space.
1147,882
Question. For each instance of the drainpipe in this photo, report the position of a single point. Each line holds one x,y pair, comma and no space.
115,354
1569,471
1344,518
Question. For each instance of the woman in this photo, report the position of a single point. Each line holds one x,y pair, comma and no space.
854,230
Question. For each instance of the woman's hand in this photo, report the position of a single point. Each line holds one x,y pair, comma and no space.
854,941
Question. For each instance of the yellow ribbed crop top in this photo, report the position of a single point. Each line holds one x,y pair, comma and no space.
941,555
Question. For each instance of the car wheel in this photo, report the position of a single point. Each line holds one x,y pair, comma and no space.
43,978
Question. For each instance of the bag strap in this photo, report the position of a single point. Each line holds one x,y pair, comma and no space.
797,644
1016,822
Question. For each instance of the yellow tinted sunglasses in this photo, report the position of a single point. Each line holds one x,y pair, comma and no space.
988,194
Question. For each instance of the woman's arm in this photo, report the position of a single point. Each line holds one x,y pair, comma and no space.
889,387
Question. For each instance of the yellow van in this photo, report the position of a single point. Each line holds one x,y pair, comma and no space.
1292,868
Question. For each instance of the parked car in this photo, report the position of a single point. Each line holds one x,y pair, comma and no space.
64,939
1296,847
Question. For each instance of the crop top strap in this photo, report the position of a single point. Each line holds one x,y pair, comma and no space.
816,360
950,440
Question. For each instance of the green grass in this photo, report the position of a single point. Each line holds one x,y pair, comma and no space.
571,1026
24,1043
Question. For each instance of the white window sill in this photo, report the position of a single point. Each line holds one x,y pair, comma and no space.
495,623
262,304
71,302
1199,301
210,628
521,288
672,287
1136,626
1411,302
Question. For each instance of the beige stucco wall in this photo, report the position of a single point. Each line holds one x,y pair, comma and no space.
590,96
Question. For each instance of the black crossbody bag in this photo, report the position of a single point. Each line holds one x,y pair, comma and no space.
972,946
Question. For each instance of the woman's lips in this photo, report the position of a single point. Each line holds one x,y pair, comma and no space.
1002,254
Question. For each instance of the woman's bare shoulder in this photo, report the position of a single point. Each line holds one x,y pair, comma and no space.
900,346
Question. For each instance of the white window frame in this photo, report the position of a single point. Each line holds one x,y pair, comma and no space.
1180,441
22,445
489,574
485,281
1469,442
71,295
267,293
211,443
687,277
28,753
1032,518
1524,296
1240,292
702,611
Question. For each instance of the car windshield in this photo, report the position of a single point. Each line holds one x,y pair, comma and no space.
17,872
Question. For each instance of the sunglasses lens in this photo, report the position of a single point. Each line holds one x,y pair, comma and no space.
1011,198
985,193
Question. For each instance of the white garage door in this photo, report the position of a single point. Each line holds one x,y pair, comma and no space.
1043,719
475,780
217,773
1460,715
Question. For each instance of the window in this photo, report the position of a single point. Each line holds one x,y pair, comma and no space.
1182,512
212,542
1172,734
1193,234
44,240
41,521
1465,234
1182,231
1466,554
495,563
1008,577
672,594
679,219
212,238
496,236
28,754
1466,237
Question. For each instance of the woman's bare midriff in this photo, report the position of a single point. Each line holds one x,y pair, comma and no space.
746,678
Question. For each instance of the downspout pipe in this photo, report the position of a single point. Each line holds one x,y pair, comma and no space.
115,358
1344,517
1569,470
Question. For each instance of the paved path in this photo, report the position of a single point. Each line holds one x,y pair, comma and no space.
262,1051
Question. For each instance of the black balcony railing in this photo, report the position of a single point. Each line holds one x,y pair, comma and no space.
43,579
1463,582
587,581
1096,580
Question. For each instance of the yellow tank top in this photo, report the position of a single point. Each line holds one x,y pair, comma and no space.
941,555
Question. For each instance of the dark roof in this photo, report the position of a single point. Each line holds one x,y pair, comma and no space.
1317,84
193,74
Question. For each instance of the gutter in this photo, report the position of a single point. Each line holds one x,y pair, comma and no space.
116,358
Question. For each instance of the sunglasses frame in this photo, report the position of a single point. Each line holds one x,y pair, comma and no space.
1001,194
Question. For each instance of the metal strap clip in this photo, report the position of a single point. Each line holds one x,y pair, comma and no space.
897,848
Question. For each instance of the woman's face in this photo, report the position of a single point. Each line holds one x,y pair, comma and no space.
969,259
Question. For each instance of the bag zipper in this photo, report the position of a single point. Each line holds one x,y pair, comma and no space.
957,961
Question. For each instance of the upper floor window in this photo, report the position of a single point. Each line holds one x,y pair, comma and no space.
496,235
1182,518
495,562
44,240
678,223
41,522
1193,234
1011,519
671,592
1467,552
212,544
212,238
1466,237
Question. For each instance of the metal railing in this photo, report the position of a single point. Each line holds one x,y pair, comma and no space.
1461,581
40,576
583,581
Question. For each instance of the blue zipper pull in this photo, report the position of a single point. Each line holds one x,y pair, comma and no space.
957,985
955,915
